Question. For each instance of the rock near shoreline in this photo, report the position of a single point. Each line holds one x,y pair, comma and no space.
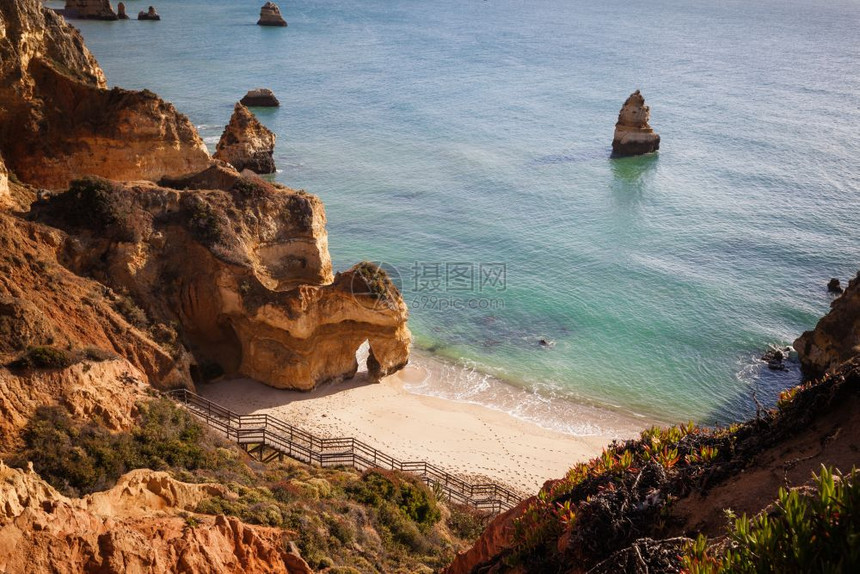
836,337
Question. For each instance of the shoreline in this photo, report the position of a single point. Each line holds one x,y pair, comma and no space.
468,439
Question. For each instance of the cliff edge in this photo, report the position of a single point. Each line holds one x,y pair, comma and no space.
58,120
836,337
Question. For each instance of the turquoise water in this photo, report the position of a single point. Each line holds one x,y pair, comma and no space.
478,132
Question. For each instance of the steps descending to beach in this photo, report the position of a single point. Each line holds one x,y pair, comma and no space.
268,438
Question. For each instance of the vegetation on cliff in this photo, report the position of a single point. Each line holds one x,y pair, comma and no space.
647,498
372,522
807,530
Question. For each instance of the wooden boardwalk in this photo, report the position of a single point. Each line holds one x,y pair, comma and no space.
268,438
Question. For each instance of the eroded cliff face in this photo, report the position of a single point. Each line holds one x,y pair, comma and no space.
244,270
836,337
58,121
134,527
42,303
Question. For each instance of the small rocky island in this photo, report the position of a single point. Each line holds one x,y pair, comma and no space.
270,15
120,11
89,10
633,135
260,98
150,14
246,143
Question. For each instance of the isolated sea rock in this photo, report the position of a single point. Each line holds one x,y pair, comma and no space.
139,525
58,120
834,286
836,337
150,14
633,134
260,299
270,15
89,10
246,143
120,11
260,98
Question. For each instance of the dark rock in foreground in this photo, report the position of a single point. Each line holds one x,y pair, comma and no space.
270,15
834,286
633,135
260,98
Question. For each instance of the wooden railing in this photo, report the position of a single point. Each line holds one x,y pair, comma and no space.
269,438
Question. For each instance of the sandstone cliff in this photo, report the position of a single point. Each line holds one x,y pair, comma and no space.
836,337
141,525
58,121
246,143
42,303
245,272
633,134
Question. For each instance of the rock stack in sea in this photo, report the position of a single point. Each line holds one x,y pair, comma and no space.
260,97
633,135
120,11
150,14
246,143
89,10
270,15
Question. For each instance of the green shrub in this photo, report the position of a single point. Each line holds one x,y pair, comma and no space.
807,533
376,280
466,522
43,358
205,222
103,207
125,306
79,458
409,496
98,355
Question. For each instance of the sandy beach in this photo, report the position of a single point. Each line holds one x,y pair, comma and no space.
464,438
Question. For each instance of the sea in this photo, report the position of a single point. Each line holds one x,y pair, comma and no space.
465,144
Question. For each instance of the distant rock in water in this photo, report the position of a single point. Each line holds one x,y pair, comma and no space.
834,286
120,11
633,135
270,15
246,143
260,98
150,14
89,10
